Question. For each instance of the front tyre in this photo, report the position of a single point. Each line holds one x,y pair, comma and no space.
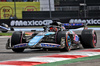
17,38
88,38
67,44
64,40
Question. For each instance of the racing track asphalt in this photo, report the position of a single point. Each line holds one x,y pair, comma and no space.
8,54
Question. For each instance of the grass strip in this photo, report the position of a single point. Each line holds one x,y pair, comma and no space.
94,26
70,61
8,34
5,34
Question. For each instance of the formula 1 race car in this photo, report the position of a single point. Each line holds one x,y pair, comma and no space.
5,28
54,36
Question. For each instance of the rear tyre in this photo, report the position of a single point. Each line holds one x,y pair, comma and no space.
4,31
17,38
64,40
88,38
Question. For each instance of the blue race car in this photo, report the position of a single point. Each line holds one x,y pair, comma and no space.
5,28
55,36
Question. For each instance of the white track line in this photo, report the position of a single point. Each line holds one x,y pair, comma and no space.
43,59
8,65
82,53
4,36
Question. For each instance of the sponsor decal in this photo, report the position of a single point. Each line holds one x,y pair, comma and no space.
49,45
75,24
20,45
6,12
30,23
30,8
87,21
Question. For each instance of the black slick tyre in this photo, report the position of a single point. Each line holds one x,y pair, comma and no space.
88,38
17,38
4,31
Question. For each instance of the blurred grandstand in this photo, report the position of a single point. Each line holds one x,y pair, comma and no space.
29,9
84,8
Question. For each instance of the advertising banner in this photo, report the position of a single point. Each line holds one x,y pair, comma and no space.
26,23
8,8
43,22
88,21
30,22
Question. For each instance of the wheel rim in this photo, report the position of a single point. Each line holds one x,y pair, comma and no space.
62,42
94,39
69,43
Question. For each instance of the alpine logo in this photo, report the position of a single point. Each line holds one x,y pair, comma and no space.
88,21
30,23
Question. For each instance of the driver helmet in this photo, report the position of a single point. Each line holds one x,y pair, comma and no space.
53,29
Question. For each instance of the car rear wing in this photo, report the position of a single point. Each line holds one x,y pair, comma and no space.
74,25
